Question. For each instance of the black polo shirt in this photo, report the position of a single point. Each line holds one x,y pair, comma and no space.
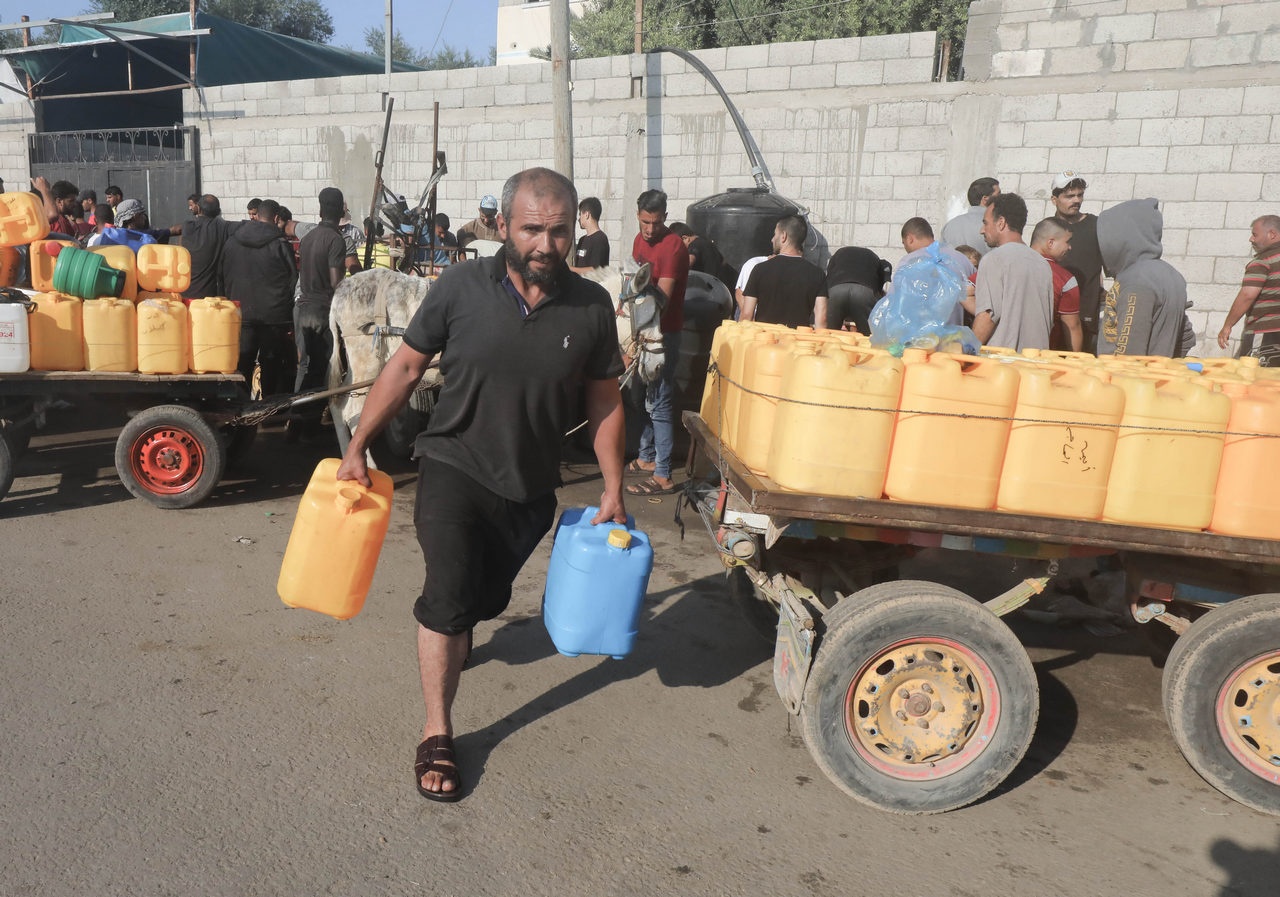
511,381
322,249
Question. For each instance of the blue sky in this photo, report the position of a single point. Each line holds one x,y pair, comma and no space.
467,24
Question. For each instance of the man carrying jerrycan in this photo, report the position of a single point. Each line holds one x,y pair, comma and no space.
516,334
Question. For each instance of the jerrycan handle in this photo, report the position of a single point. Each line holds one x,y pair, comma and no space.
348,497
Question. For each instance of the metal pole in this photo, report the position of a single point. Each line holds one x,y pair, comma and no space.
191,52
639,26
386,42
561,104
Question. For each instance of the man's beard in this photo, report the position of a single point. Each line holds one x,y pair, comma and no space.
523,265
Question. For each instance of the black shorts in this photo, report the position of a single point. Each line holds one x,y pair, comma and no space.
474,543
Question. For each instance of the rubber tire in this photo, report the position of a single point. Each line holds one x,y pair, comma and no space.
189,421
863,625
8,458
1213,648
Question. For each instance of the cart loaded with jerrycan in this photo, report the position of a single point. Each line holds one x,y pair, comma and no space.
821,461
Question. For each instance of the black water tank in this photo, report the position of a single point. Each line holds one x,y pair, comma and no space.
740,221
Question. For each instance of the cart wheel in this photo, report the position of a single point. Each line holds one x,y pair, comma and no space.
238,440
7,459
170,456
1222,699
920,700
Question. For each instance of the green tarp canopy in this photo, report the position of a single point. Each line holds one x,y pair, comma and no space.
88,80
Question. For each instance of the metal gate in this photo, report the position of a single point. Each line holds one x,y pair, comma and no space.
155,165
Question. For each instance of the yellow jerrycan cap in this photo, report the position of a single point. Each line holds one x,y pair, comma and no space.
619,538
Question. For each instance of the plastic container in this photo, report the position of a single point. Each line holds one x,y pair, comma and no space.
110,335
1061,443
42,256
164,268
1248,490
730,389
162,336
80,272
334,546
126,237
724,344
123,259
15,338
215,335
1168,452
596,582
10,266
836,451
938,457
764,363
22,219
57,333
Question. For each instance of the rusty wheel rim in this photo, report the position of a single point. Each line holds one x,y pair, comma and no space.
166,460
922,709
1248,712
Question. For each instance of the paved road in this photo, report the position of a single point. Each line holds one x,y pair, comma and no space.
168,727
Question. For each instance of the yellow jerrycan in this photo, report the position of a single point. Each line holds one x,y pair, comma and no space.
764,364
1168,451
162,336
1248,490
163,268
22,218
110,335
334,546
952,428
122,258
215,335
57,333
1061,443
42,258
834,426
726,341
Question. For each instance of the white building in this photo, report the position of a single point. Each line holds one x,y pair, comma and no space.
525,25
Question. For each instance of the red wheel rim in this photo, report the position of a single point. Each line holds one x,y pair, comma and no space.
936,682
1248,715
166,460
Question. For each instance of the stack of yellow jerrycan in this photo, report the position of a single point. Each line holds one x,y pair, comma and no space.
1248,488
952,428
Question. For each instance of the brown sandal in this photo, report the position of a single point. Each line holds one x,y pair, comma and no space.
436,755
635,469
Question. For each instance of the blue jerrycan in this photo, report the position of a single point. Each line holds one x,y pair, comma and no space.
595,584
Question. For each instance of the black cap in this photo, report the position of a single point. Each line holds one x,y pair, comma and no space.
331,196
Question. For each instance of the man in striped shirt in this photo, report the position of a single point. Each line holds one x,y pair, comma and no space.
1258,301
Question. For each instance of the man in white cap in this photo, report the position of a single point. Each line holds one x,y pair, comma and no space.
1084,258
484,227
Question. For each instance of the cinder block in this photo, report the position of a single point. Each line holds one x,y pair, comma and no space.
1012,36
813,76
1187,23
1008,133
1237,129
923,44
541,92
1161,54
761,80
1039,107
460,79
1055,32
749,57
1261,100
884,46
1227,187
891,211
1013,160
1108,57
1233,49
1195,268
734,81
1211,101
860,74
1051,133
527,73
1174,242
584,69
909,71
795,53
1171,131
1166,187
897,164
368,102
342,104
1086,105
933,138
685,85
1138,159
316,105
1269,47
1198,159
1264,158
254,90
876,140
713,58
1017,63
917,188
1123,29
1249,18
1085,160
606,89
1217,242
1241,215
875,188
1146,103
898,114
1275,129
840,50
1120,132
514,94
476,97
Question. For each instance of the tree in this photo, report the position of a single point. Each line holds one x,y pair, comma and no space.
401,51
607,26
307,19
448,57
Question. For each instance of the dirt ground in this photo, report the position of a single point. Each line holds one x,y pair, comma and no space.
168,727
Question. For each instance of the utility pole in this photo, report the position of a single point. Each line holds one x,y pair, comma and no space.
639,26
387,31
561,102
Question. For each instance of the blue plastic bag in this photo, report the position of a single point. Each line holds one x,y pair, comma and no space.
914,313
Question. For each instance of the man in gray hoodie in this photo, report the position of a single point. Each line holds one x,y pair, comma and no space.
1142,313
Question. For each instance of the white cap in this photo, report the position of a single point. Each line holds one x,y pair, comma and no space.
1063,178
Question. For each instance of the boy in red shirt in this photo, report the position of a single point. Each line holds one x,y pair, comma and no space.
1052,241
